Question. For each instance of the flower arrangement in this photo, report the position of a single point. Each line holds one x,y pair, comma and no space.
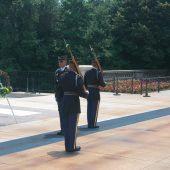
4,90
125,86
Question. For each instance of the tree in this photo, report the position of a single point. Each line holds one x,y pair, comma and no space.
141,33
74,26
48,31
18,36
126,34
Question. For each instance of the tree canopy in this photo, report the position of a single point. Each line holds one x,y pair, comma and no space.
125,34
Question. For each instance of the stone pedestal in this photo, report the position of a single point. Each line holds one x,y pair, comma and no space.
84,68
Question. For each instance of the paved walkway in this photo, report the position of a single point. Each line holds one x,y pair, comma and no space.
133,134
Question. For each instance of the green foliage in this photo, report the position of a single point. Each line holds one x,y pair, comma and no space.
75,20
126,34
141,31
4,90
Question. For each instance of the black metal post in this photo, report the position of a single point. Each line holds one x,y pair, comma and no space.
132,85
141,86
27,85
33,90
114,84
38,83
27,90
117,86
158,85
146,90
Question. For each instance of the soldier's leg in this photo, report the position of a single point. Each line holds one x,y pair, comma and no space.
89,112
73,121
97,110
66,131
61,116
93,113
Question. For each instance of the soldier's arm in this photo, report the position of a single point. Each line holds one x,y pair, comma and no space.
101,80
58,89
85,80
80,89
56,77
56,84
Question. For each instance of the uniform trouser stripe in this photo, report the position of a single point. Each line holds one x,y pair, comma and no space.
92,112
60,115
97,110
70,125
76,131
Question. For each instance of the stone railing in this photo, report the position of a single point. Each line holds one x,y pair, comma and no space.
34,81
137,74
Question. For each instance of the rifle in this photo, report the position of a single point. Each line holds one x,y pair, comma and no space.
74,61
97,63
73,58
96,59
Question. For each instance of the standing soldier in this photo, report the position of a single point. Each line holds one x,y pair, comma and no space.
62,61
93,81
72,85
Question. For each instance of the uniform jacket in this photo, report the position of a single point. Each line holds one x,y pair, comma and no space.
58,90
72,83
92,79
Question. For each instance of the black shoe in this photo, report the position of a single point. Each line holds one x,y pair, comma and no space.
95,127
78,148
60,133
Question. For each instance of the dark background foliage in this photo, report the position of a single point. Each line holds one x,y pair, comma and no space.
126,34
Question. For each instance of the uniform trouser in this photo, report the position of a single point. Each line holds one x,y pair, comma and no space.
92,112
70,130
60,114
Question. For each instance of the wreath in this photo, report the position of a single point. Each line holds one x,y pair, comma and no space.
4,90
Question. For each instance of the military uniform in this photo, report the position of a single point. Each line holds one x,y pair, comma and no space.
72,85
92,79
59,93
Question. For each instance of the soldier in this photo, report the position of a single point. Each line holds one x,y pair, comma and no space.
72,85
62,61
93,81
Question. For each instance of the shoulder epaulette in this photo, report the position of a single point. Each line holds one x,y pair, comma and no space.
57,70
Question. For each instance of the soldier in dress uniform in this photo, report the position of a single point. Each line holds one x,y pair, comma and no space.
62,62
72,85
93,81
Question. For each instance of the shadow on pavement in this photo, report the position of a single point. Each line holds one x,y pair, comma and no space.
25,143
